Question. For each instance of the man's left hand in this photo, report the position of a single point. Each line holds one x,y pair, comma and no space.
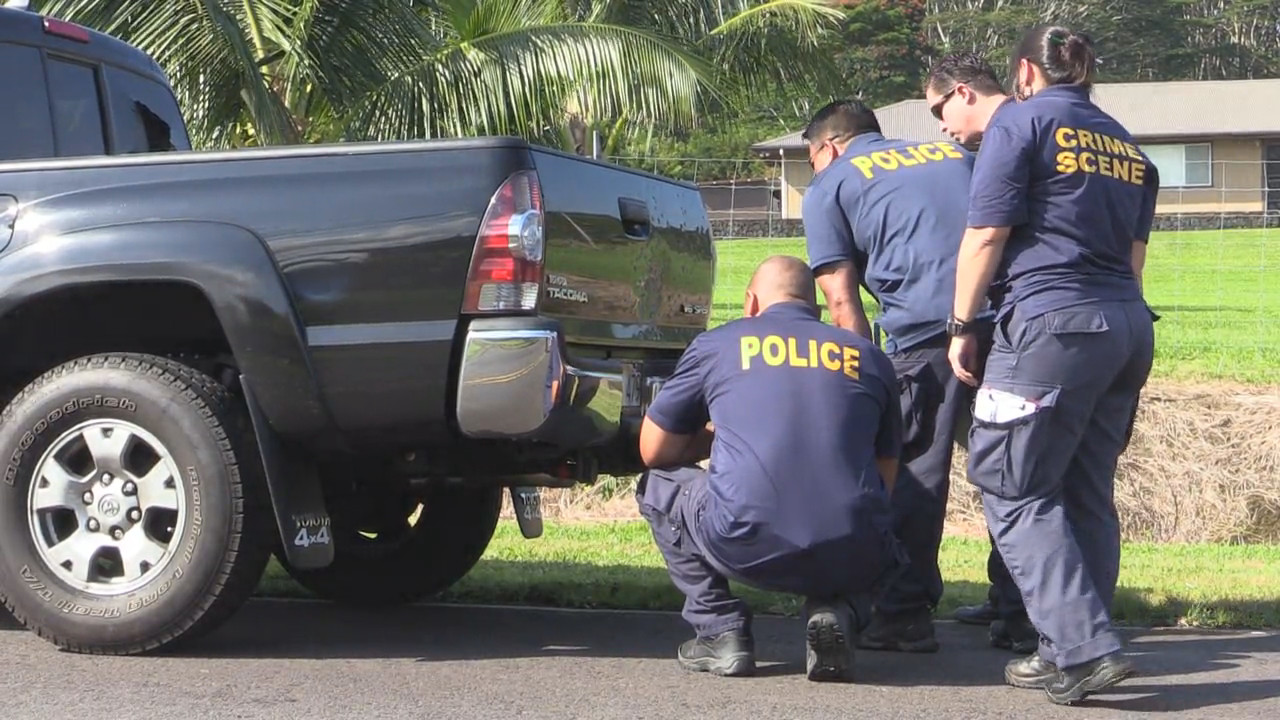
963,355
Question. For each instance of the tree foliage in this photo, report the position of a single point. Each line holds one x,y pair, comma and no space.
281,71
671,78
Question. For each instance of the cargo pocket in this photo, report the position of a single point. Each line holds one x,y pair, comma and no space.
1011,434
659,498
918,395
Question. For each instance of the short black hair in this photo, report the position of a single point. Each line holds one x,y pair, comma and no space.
969,68
841,120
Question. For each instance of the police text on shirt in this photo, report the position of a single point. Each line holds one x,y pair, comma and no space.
775,350
909,156
1093,152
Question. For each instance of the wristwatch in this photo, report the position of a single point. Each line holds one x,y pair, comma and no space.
957,327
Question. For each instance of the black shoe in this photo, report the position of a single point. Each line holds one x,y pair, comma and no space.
1016,634
983,614
729,653
828,654
1032,672
1078,681
908,632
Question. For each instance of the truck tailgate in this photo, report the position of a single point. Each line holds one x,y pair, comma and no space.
629,257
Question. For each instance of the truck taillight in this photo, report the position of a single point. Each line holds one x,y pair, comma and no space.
506,265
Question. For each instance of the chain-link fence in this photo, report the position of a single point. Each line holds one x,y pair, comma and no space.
1211,271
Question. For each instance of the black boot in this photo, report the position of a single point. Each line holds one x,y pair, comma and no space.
908,632
1016,634
730,653
828,652
1078,681
983,614
1032,672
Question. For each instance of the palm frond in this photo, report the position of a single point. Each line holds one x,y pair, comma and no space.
510,75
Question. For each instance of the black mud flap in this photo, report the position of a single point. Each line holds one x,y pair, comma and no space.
526,502
296,497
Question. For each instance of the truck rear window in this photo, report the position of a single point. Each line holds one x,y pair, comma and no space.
145,115
77,109
57,110
25,129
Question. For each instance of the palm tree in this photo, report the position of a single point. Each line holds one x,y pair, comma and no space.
286,71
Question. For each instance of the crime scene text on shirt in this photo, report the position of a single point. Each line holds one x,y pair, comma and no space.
776,350
1093,152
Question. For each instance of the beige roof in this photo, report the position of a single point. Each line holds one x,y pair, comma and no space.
1181,109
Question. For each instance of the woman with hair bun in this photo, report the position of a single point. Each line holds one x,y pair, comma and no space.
1060,207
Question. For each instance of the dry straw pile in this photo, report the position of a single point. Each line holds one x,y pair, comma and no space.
1203,466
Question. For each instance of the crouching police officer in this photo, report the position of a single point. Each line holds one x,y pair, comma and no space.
889,214
1061,205
803,444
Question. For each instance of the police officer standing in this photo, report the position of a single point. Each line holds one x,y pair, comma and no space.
1061,206
804,437
963,94
889,214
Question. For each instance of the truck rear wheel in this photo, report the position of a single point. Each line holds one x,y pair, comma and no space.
131,512
407,556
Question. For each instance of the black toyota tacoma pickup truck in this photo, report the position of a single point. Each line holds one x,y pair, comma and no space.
344,354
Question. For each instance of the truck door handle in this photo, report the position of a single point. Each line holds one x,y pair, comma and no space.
8,217
635,218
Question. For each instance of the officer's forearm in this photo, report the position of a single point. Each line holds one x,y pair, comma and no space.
849,315
839,286
980,253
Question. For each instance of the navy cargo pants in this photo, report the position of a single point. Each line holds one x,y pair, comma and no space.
936,415
1054,413
671,500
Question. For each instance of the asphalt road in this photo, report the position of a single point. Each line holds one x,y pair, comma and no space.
279,659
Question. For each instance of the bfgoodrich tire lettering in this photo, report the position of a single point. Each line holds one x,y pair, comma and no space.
215,534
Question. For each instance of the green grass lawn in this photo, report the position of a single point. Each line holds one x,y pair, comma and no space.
1217,292
615,565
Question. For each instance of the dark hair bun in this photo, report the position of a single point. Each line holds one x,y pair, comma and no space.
1066,57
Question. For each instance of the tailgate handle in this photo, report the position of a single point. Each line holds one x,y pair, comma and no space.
635,218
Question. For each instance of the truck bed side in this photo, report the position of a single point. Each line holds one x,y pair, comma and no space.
374,242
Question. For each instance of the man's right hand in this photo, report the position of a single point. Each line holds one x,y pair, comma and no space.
963,355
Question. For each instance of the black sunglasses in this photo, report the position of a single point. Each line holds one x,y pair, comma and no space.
936,108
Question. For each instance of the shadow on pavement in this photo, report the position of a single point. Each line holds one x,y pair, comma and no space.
440,633
1177,660
1179,669
1175,655
7,621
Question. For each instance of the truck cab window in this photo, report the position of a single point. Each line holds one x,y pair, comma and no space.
145,115
25,129
77,108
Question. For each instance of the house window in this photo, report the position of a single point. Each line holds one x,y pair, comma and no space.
1182,165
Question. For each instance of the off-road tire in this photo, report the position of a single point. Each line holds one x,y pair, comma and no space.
224,540
447,540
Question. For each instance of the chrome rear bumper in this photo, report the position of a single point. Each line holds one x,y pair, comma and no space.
516,384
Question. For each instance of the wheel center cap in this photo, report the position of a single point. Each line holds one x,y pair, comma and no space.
109,506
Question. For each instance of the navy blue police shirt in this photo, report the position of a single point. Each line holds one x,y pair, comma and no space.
896,209
1076,191
801,410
